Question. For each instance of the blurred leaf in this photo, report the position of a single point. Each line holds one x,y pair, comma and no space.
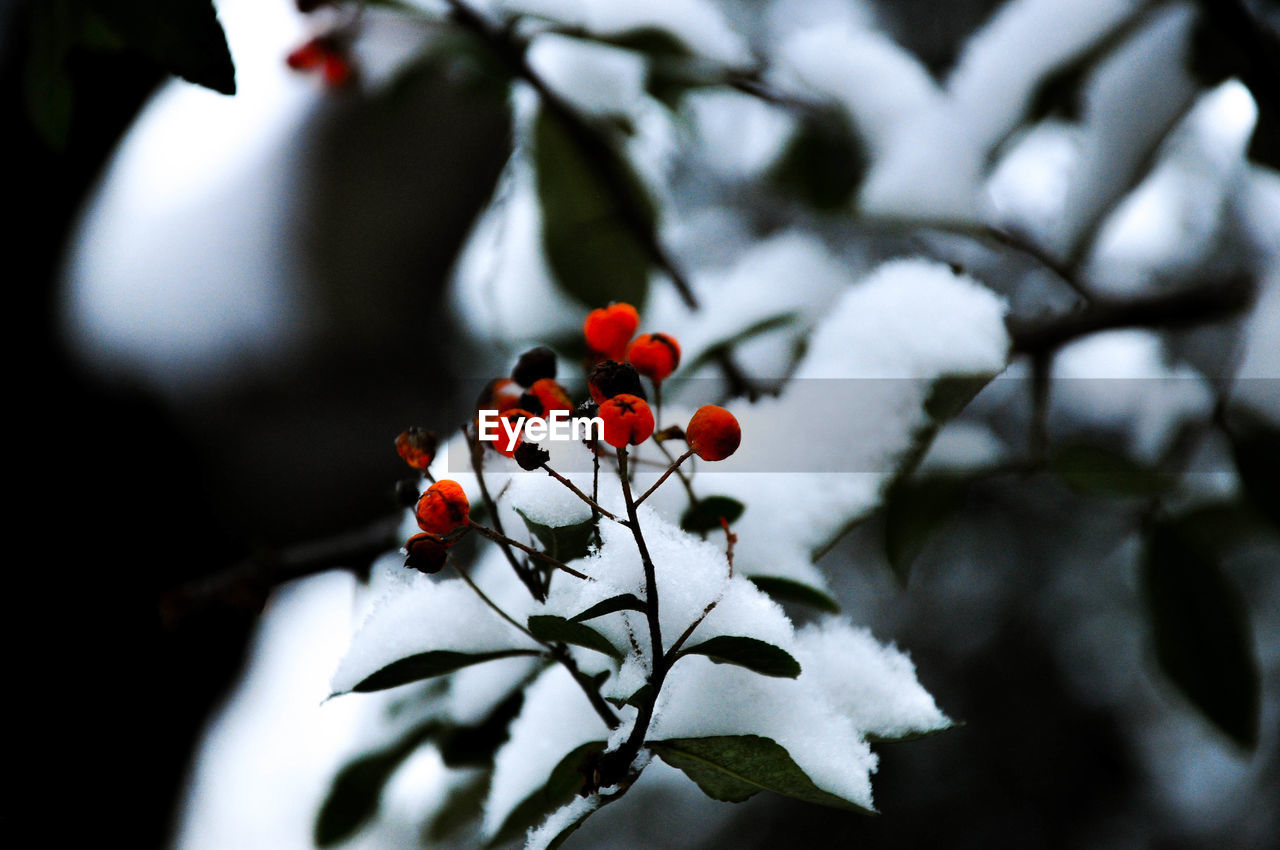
183,36
564,543
756,655
1201,632
727,344
733,768
824,163
464,804
566,779
1255,445
650,40
951,394
424,665
621,602
464,746
786,590
915,508
597,219
555,629
705,514
1095,470
47,85
353,796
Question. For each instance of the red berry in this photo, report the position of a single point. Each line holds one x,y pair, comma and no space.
417,446
627,420
609,329
513,415
337,70
443,508
655,355
552,396
307,57
713,433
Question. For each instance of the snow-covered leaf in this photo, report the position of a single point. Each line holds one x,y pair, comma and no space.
621,602
557,629
756,655
566,779
425,665
734,767
564,543
786,590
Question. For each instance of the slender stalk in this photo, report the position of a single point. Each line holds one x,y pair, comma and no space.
595,506
530,581
670,469
498,537
650,578
557,652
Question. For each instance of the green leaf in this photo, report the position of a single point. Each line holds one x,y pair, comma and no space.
353,796
824,163
597,219
464,804
650,40
727,344
566,779
915,508
564,542
551,628
754,654
182,36
467,746
951,394
1255,446
734,767
705,514
424,665
1095,470
621,602
786,590
1200,628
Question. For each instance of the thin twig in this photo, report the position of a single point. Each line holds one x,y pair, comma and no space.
498,537
596,507
477,464
670,469
650,577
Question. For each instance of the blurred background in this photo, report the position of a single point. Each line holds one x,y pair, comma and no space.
240,300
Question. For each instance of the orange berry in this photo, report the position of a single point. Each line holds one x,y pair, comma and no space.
655,355
499,394
443,508
609,329
308,56
713,433
552,396
426,553
513,415
417,446
627,420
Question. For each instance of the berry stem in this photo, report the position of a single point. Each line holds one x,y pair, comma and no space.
596,508
498,537
477,464
650,578
670,469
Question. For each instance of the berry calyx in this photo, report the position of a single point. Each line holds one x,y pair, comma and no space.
417,446
534,365
609,329
655,355
627,420
713,433
443,508
611,378
426,553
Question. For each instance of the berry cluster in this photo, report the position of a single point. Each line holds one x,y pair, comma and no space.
617,397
